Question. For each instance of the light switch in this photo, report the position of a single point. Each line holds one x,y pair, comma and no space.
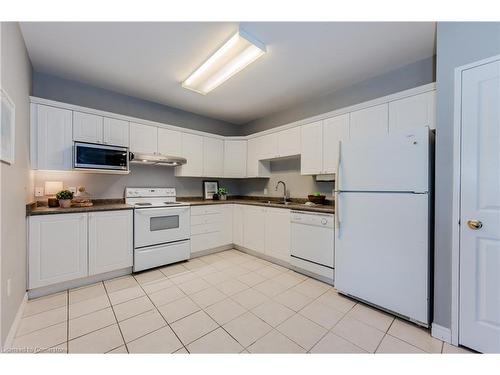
265,191
39,191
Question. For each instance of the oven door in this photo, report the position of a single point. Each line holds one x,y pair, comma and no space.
154,226
92,156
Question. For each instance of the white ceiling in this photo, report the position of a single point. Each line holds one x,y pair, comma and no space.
149,60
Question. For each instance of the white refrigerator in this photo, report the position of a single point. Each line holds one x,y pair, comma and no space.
383,218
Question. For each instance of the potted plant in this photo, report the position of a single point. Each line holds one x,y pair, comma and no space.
64,197
222,192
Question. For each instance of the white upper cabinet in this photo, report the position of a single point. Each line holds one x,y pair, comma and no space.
311,162
143,138
235,158
110,241
192,150
57,248
256,167
289,142
87,127
213,157
369,121
414,111
116,132
52,139
169,142
268,146
335,129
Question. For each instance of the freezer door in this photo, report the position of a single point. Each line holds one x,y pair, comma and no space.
382,251
395,162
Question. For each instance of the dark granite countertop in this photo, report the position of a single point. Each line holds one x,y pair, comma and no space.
294,204
33,209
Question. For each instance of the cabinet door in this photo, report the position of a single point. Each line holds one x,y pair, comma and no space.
213,157
254,228
169,142
278,233
226,225
54,138
192,150
252,159
57,248
235,158
238,225
369,121
87,127
414,111
143,138
335,129
116,132
311,155
110,241
268,146
289,142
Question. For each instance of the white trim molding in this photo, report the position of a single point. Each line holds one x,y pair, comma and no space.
455,244
441,333
15,324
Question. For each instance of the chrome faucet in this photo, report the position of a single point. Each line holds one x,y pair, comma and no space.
284,190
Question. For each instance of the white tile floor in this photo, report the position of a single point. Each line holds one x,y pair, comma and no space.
229,302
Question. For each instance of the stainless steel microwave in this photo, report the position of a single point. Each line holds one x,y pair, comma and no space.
96,156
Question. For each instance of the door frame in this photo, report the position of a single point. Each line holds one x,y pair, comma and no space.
457,159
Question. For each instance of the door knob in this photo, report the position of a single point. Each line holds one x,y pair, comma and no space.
474,224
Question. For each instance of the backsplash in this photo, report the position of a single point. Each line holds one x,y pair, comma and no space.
101,185
288,171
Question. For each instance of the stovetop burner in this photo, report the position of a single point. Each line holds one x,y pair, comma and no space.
143,204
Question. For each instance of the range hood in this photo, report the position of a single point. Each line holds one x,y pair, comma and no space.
153,159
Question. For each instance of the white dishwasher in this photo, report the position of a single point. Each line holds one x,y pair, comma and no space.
312,244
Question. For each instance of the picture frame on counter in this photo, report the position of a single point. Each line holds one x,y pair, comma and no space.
210,187
7,128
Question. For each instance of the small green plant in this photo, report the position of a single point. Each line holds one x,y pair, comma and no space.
317,194
64,194
222,191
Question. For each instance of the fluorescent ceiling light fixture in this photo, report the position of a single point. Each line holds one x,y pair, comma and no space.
236,54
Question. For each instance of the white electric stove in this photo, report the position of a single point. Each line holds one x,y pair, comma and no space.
161,227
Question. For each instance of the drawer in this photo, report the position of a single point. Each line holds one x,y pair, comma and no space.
206,219
206,210
205,241
205,228
154,256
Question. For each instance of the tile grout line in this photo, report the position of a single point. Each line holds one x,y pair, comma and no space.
158,311
114,314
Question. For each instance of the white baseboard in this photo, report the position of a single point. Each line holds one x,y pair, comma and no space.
441,333
15,324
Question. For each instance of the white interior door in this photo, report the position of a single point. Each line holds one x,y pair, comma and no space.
480,209
382,251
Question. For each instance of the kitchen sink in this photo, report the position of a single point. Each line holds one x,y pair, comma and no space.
275,202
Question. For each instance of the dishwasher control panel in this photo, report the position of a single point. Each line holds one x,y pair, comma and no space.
315,219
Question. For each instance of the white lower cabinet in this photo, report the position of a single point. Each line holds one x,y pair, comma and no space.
65,247
111,245
57,248
238,224
254,228
277,233
211,227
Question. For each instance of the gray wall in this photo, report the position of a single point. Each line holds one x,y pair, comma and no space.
458,43
113,185
16,181
67,91
287,170
409,76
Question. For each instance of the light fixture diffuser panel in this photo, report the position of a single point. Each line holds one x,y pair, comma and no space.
238,52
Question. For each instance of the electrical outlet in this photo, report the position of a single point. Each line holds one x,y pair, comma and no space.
8,287
39,191
265,191
72,189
